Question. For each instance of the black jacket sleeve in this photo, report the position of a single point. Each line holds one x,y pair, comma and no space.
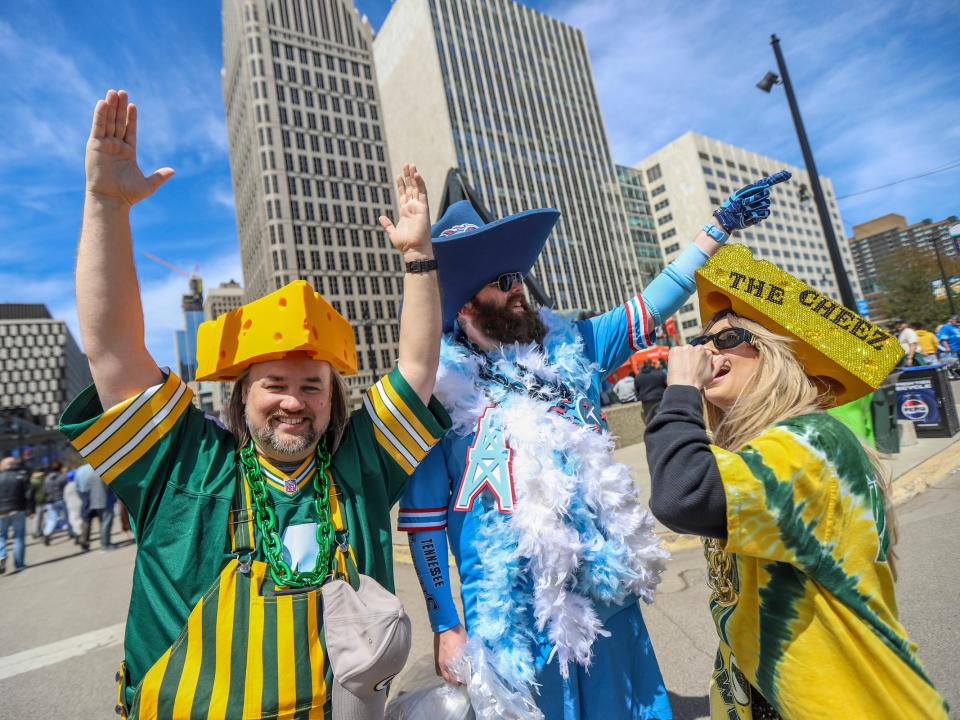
686,490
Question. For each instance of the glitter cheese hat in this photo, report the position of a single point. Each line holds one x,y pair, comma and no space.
837,347
291,319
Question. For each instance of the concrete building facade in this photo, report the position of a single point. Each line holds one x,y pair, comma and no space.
686,181
222,299
41,366
308,158
875,241
506,94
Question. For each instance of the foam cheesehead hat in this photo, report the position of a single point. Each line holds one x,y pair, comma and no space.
471,253
291,319
836,346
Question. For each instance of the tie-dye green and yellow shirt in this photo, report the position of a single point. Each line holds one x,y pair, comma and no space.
814,626
175,470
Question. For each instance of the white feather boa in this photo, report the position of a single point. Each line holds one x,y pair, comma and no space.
578,534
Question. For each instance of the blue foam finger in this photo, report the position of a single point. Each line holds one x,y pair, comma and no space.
779,177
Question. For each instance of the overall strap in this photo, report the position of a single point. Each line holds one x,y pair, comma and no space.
344,560
241,517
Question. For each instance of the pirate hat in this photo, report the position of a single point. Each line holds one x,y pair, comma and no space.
837,348
471,253
291,319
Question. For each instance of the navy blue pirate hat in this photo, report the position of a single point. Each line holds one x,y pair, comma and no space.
471,253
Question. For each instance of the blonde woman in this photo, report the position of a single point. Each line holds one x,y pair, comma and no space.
797,534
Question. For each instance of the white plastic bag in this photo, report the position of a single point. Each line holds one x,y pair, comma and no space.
437,701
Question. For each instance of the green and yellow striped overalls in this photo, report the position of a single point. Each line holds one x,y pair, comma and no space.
248,650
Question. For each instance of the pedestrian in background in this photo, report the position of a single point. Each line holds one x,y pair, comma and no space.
16,502
907,337
927,342
624,389
74,504
98,503
649,385
55,509
36,476
949,336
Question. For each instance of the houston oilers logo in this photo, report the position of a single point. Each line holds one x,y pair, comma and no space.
914,408
457,229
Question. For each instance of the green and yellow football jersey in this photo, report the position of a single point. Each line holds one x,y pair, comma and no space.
814,625
176,471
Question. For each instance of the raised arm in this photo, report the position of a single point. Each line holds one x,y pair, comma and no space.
108,296
610,338
420,319
746,207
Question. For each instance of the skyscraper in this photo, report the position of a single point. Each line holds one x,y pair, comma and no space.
689,178
222,299
506,94
186,340
640,223
309,162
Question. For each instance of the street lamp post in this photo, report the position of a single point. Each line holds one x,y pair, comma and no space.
768,81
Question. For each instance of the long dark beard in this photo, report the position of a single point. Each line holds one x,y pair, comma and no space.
503,325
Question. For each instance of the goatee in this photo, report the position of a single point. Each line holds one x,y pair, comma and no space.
268,438
506,326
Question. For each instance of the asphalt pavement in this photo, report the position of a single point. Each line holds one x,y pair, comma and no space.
62,618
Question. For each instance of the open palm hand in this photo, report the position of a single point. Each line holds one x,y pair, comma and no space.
111,159
411,234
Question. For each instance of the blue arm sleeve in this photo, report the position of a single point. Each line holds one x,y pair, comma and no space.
611,338
428,548
671,288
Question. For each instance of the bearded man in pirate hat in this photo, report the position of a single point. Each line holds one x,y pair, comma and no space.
239,531
552,546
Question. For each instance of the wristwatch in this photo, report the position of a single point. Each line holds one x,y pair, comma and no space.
421,266
716,233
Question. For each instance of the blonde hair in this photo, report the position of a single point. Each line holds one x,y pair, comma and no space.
236,416
778,390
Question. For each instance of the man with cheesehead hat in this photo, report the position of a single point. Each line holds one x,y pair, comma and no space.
239,530
551,542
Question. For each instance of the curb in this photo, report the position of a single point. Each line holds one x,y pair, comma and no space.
918,478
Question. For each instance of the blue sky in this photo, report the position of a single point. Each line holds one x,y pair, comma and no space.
876,83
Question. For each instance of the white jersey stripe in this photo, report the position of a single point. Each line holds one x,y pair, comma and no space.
386,432
120,420
144,431
398,416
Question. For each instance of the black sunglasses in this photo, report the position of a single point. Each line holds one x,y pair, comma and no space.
726,339
506,281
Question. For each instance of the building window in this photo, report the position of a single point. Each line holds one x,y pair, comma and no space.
661,205
667,234
654,173
657,190
672,248
664,219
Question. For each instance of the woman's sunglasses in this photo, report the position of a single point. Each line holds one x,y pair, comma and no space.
726,339
506,281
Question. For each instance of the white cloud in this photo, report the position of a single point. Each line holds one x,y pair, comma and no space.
222,194
876,106
160,296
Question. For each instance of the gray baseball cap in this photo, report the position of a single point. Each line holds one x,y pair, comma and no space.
368,637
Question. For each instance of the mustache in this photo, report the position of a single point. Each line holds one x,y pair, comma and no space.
300,414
